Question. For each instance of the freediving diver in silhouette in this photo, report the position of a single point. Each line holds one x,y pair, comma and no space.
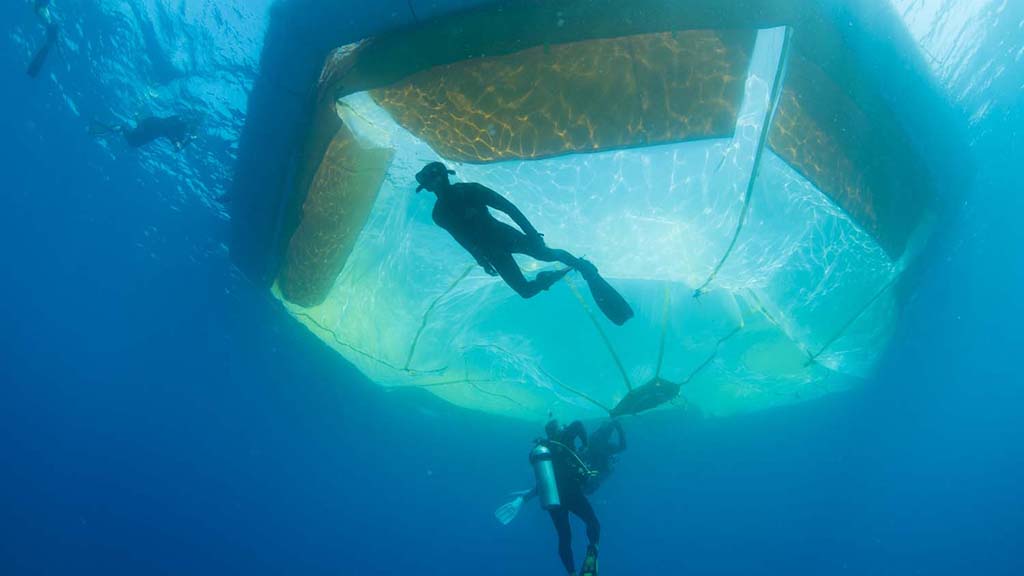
178,129
42,9
463,210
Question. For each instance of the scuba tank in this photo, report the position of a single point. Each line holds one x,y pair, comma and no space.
544,473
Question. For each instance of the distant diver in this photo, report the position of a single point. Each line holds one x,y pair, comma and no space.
561,478
462,210
177,129
600,456
42,9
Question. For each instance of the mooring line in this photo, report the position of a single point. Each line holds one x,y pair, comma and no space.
367,355
711,357
600,331
814,357
664,330
339,341
426,315
762,139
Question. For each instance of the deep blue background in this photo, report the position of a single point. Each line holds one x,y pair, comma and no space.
159,415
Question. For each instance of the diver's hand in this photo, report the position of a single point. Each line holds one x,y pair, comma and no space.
536,239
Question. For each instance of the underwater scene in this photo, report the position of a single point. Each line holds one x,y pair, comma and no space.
522,287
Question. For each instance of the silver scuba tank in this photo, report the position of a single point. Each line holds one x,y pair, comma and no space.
544,473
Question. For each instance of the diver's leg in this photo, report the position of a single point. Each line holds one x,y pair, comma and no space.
560,517
547,254
518,243
509,271
506,266
581,507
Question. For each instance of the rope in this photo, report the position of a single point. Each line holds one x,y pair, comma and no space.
600,331
465,368
774,322
762,138
712,356
701,366
586,397
466,380
814,357
497,395
344,344
426,315
664,330
434,384
764,311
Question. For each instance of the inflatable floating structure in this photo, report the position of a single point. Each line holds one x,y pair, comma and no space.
745,182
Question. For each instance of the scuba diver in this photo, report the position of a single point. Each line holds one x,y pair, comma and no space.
560,487
42,9
178,129
462,210
600,457
561,477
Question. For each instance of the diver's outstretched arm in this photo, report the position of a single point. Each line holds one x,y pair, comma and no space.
621,446
574,431
499,202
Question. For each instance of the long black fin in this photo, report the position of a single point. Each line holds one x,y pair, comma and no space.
608,298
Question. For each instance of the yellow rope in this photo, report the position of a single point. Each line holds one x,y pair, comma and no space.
664,330
367,355
426,315
814,357
712,356
762,139
600,331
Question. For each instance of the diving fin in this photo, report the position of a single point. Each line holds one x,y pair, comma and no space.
508,511
608,299
589,567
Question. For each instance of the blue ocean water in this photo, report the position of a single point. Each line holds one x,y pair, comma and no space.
162,415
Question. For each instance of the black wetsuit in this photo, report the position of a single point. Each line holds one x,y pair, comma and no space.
462,210
601,453
570,482
175,128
